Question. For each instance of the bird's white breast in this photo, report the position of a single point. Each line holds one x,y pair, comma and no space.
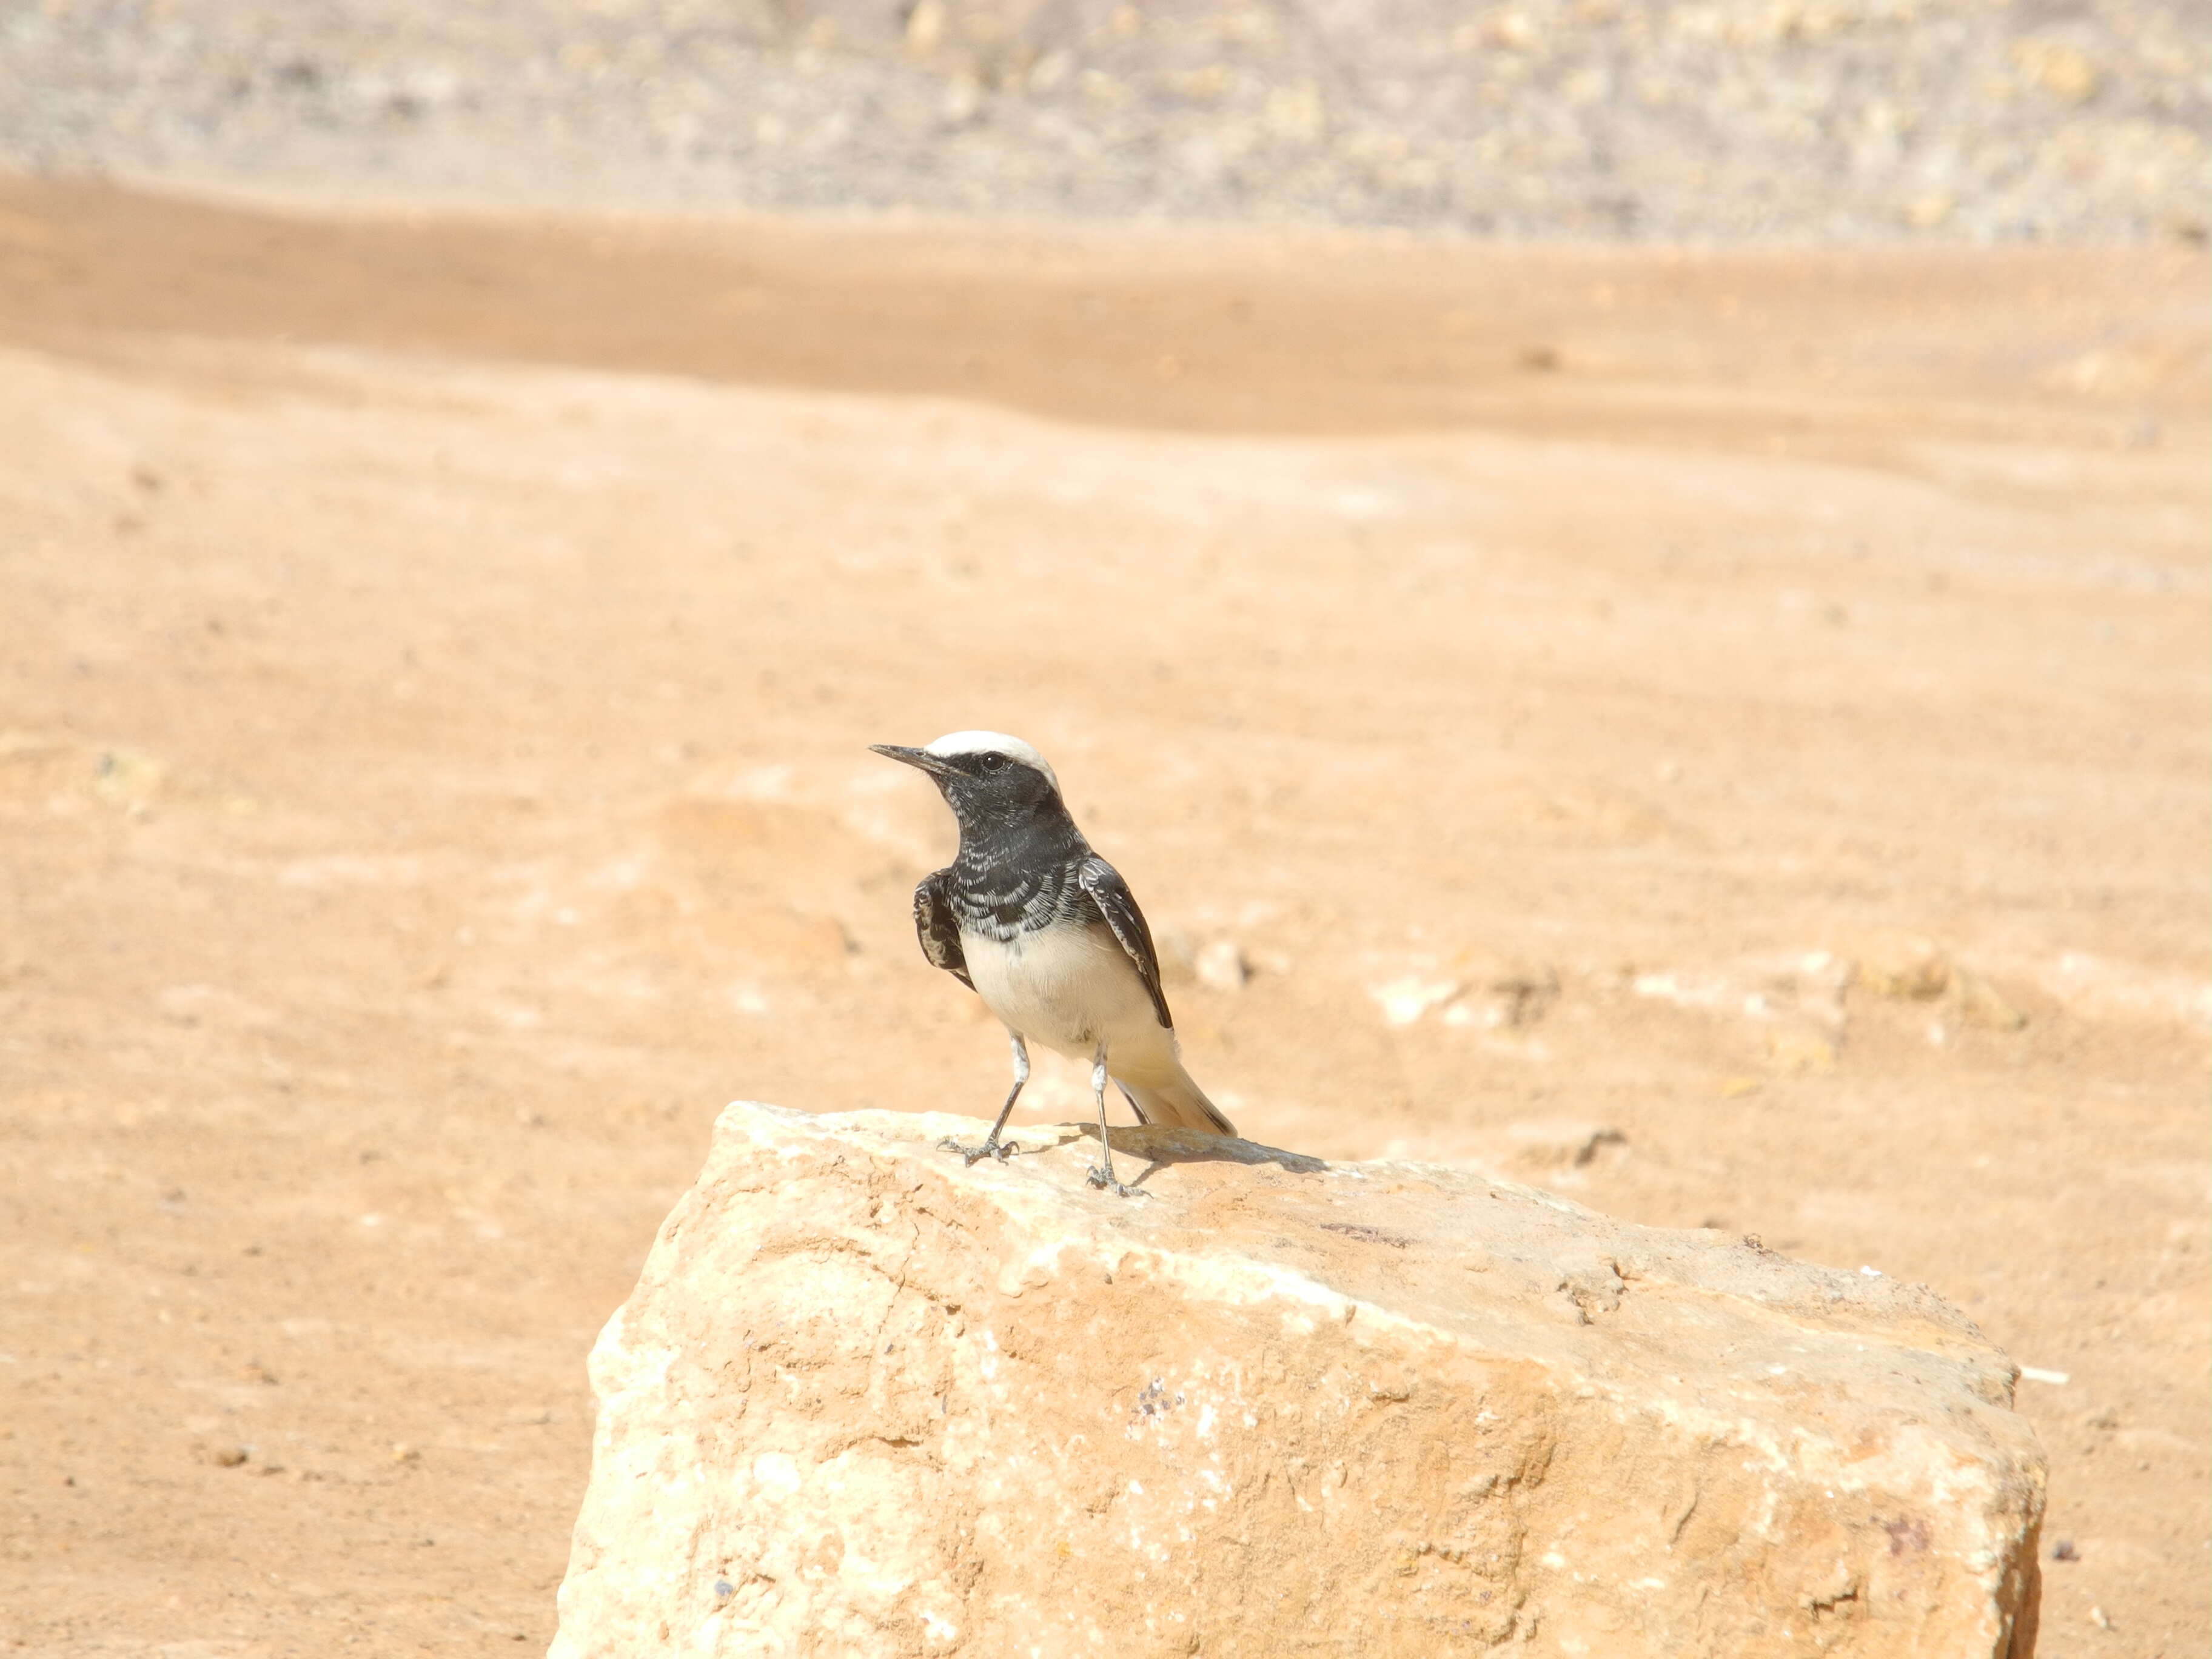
1068,988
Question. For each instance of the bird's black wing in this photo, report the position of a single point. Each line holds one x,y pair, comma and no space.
937,929
1118,906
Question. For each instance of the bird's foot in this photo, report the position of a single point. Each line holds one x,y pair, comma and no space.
971,1156
1099,1175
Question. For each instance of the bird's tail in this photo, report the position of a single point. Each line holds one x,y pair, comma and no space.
1176,1102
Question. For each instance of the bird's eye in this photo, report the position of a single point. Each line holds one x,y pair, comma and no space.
991,763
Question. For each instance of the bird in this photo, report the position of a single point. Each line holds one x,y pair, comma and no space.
1047,933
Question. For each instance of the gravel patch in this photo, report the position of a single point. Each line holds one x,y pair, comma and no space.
1728,120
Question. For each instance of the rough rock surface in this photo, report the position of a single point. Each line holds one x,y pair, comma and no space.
865,1400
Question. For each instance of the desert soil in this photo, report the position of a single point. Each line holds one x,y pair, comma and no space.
438,660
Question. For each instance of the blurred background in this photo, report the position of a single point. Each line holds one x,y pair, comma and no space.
1797,120
1626,584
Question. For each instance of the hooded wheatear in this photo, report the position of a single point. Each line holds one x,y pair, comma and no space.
1046,932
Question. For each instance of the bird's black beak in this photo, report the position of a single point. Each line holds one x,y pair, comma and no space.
920,758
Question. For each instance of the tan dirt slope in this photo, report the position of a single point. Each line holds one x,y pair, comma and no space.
439,658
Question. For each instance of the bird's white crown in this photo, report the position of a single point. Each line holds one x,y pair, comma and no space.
989,743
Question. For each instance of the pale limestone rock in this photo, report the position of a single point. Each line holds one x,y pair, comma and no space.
2092,988
1980,1003
1502,995
1894,962
1221,966
866,1399
1559,1142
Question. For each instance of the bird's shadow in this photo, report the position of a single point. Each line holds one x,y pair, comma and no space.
1161,1148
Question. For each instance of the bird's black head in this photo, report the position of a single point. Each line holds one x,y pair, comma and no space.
987,778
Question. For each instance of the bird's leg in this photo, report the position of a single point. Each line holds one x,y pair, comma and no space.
1103,1175
991,1147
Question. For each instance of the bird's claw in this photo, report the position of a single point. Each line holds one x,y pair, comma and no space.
1100,1177
971,1156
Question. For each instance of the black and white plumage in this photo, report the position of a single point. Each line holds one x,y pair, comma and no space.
1047,933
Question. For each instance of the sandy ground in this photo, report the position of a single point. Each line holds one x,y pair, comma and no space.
439,660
